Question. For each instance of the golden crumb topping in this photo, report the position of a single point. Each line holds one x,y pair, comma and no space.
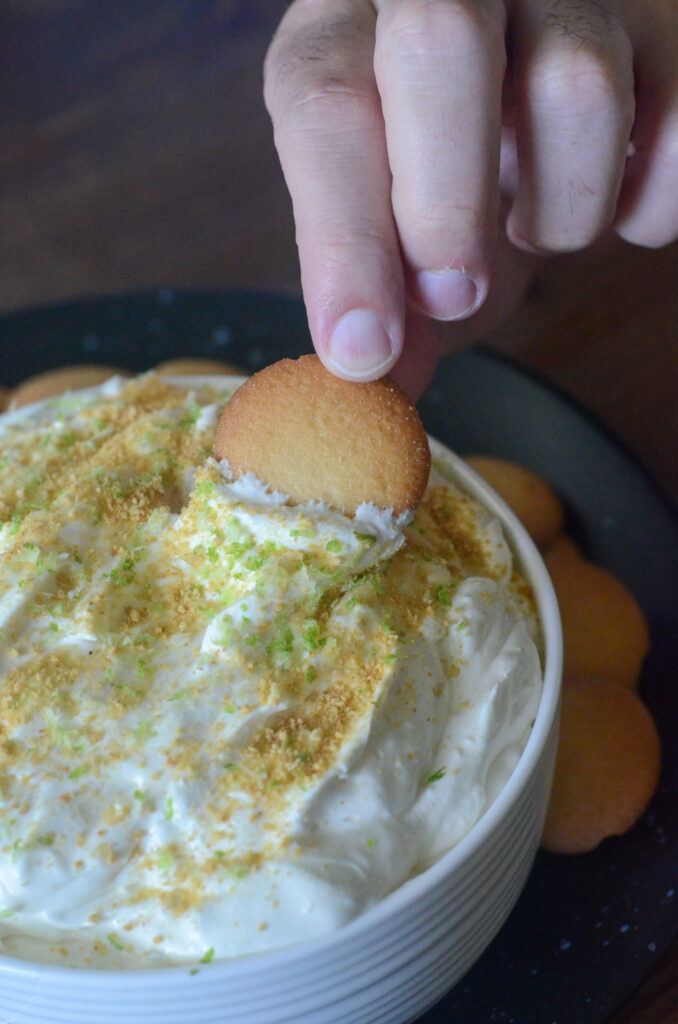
185,662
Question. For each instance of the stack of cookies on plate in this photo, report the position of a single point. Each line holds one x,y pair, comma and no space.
609,752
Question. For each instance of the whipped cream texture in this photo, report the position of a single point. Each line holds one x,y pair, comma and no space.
227,723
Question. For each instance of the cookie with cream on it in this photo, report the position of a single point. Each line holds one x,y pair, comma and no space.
315,437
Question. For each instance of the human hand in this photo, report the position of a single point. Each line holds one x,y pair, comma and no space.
428,172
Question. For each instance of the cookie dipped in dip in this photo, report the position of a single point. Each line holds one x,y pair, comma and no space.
231,721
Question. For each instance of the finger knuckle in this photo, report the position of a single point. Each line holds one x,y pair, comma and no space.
335,105
423,28
439,224
364,245
583,81
343,235
323,92
666,146
654,222
316,58
651,232
565,241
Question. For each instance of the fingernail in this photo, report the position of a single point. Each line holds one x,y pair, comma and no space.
446,294
360,346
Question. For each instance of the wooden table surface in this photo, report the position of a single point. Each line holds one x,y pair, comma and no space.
136,152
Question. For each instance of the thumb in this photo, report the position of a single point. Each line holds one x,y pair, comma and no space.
415,368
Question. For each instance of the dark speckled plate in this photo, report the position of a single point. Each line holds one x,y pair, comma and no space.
587,929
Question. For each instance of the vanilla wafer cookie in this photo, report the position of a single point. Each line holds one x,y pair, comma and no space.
59,381
312,436
527,493
607,766
605,631
189,365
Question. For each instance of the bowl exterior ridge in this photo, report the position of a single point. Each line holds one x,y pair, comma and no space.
454,922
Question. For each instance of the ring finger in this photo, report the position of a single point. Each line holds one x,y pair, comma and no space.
575,108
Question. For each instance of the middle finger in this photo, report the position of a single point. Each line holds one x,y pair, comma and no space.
439,66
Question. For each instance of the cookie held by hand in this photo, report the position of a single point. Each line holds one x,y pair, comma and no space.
312,436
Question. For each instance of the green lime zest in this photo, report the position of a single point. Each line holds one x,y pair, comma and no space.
436,776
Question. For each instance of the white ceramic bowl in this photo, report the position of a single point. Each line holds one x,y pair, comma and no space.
389,965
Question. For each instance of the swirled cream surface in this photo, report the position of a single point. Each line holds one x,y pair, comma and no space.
226,723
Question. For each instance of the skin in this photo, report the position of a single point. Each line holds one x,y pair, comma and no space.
435,150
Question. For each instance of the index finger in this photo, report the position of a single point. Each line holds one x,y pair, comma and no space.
329,131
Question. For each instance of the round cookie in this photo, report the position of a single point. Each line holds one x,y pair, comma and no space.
535,503
312,436
607,766
188,366
57,382
604,630
562,550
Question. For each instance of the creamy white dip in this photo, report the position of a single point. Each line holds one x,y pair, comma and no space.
228,724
